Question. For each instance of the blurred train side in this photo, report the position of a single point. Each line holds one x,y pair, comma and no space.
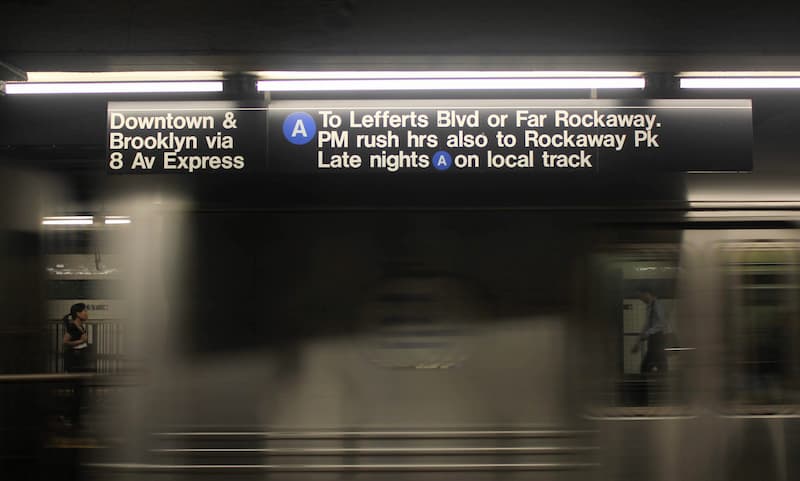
456,345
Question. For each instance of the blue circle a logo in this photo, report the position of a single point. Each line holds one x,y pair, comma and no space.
442,160
299,128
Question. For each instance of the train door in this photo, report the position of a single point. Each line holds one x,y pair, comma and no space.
638,407
745,312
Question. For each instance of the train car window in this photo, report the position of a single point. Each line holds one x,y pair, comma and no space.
635,291
760,311
635,319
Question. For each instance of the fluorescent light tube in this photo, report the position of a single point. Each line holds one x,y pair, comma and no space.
740,82
69,220
14,88
437,74
144,76
117,219
732,214
304,85
743,204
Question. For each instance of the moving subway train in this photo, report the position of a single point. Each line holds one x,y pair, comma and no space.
481,327
446,345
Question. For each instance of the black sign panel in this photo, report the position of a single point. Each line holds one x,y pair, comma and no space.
185,137
520,136
431,137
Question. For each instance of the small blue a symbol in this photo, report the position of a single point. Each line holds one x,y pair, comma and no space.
442,160
299,128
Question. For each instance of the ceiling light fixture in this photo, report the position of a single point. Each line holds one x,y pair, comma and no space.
145,76
442,80
32,88
117,219
739,80
69,220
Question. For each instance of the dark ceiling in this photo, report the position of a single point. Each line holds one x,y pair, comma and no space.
305,34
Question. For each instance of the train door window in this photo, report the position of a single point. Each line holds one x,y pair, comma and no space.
642,375
760,311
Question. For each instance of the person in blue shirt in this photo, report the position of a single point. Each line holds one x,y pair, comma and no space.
654,332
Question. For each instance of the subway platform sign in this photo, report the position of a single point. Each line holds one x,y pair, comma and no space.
434,137
185,137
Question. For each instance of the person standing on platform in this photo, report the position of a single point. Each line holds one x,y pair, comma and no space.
654,332
76,339
77,357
